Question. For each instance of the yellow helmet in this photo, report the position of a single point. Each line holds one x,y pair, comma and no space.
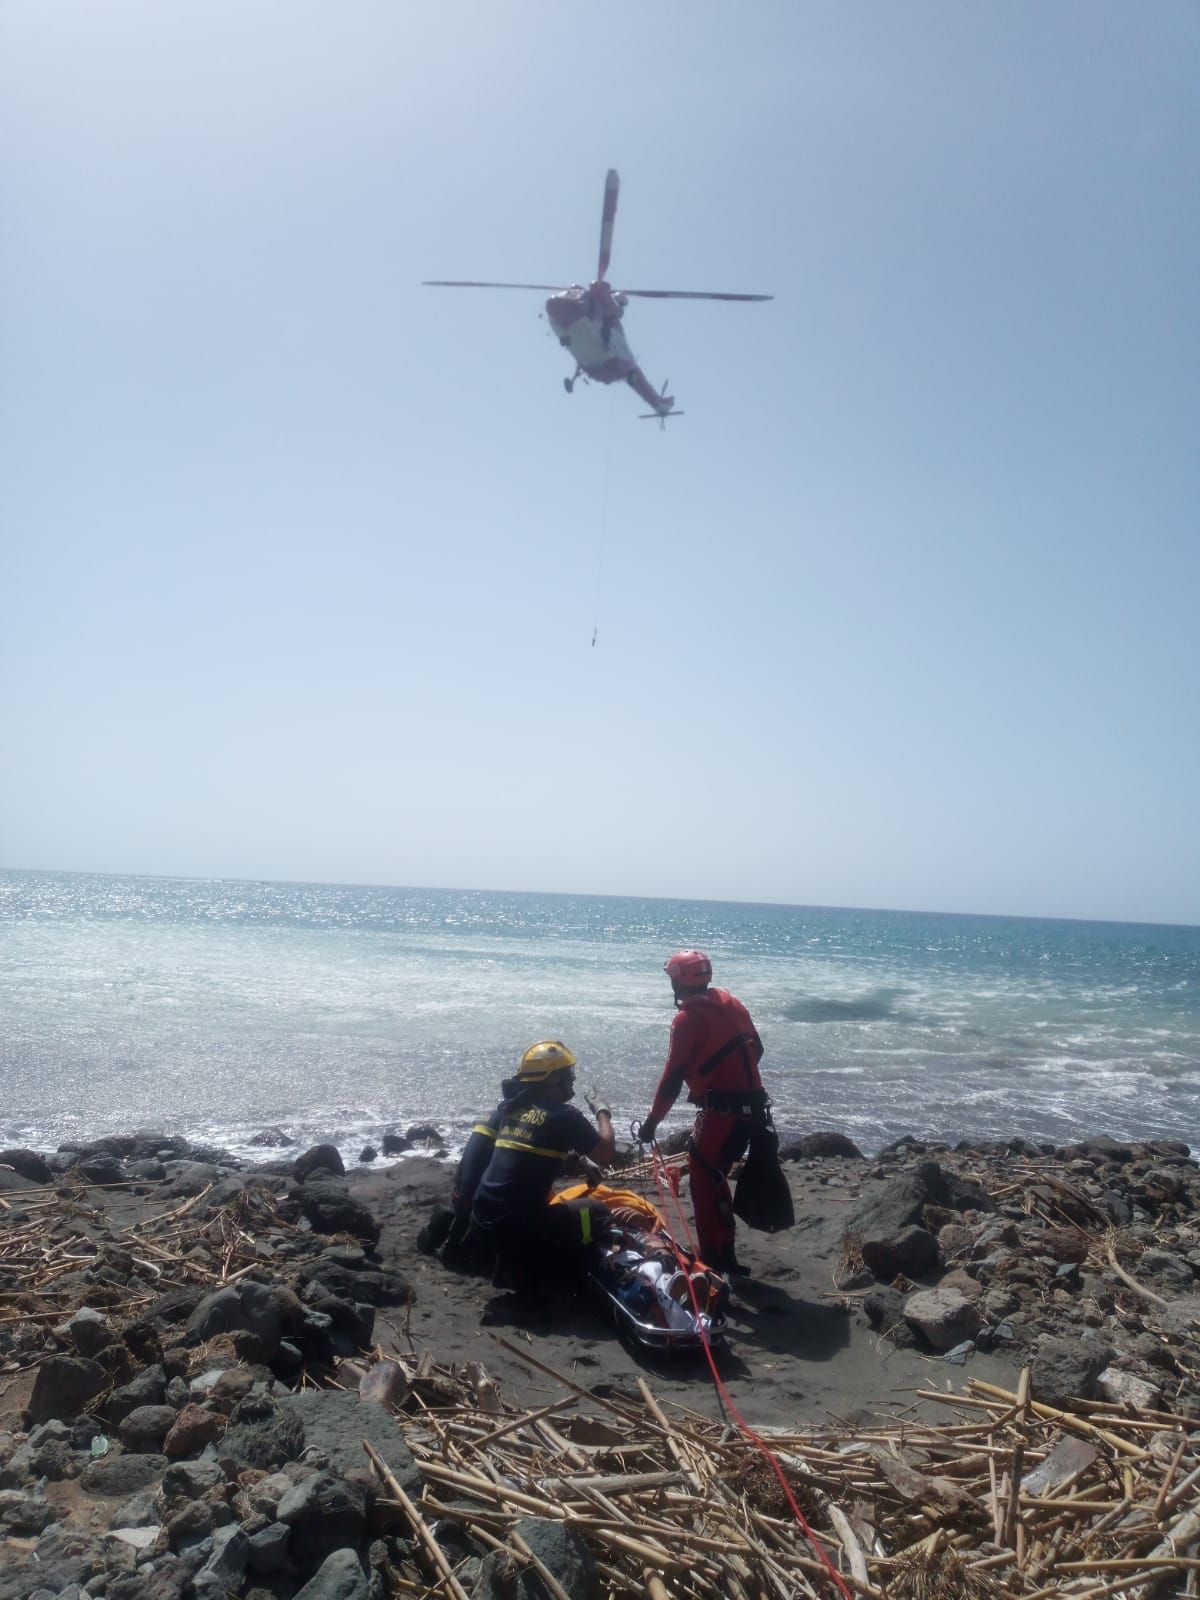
543,1060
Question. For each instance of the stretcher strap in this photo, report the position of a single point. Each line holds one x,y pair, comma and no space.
668,1193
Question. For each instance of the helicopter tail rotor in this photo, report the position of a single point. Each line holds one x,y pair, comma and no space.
665,409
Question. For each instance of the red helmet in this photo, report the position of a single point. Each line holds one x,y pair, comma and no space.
691,968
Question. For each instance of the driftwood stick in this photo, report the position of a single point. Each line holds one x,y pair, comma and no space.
1067,1418
539,1566
1138,1288
524,1420
424,1538
850,1544
674,1443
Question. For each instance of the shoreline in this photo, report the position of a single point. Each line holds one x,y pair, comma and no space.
214,1297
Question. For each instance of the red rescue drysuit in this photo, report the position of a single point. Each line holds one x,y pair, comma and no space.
715,1050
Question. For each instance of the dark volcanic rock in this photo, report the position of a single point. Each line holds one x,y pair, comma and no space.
375,1287
321,1158
247,1307
121,1474
911,1251
330,1209
64,1386
336,1422
339,1577
820,1144
266,1440
323,1512
28,1164
944,1317
1065,1370
101,1169
272,1139
145,1428
149,1388
564,1554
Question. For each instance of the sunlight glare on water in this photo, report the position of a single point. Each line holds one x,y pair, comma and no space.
216,1009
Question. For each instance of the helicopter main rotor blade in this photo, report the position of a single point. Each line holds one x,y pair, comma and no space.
690,294
612,185
476,283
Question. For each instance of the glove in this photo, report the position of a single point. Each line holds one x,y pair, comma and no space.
594,1103
645,1134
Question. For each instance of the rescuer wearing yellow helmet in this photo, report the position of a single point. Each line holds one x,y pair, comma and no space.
511,1161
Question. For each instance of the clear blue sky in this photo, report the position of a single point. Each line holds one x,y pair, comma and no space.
301,562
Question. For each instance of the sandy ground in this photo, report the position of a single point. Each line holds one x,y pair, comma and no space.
799,1350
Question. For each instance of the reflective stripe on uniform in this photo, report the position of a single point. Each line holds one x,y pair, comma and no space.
585,1222
530,1149
483,1127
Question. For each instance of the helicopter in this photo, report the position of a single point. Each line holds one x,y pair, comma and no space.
586,319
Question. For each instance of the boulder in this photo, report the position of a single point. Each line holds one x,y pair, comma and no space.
192,1428
423,1133
324,1158
28,1164
272,1139
64,1386
269,1548
221,1575
1167,1273
825,1143
249,1307
565,1556
910,1250
336,1422
394,1144
372,1285
121,1474
339,1577
1064,1244
144,1428
1064,1371
101,1169
1127,1389
191,1177
330,1209
944,1317
149,1388
324,1512
189,1480
88,1330
264,1436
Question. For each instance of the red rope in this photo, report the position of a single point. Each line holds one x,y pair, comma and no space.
665,1189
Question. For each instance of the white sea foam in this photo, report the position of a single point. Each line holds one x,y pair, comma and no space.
215,1010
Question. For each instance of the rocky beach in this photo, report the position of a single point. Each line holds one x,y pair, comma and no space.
194,1353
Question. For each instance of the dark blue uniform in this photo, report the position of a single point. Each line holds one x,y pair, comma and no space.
512,1203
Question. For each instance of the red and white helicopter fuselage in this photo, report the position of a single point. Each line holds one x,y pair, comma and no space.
587,320
587,323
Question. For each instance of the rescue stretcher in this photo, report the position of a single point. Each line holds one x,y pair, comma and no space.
660,1295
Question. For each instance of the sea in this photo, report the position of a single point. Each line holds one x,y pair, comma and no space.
218,1009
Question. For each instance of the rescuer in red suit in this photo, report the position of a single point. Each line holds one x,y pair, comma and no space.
715,1050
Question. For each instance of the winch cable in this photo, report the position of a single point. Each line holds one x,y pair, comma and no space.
602,536
662,1178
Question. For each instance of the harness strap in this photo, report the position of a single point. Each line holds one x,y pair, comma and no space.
740,1041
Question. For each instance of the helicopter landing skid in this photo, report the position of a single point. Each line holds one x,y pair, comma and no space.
569,383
